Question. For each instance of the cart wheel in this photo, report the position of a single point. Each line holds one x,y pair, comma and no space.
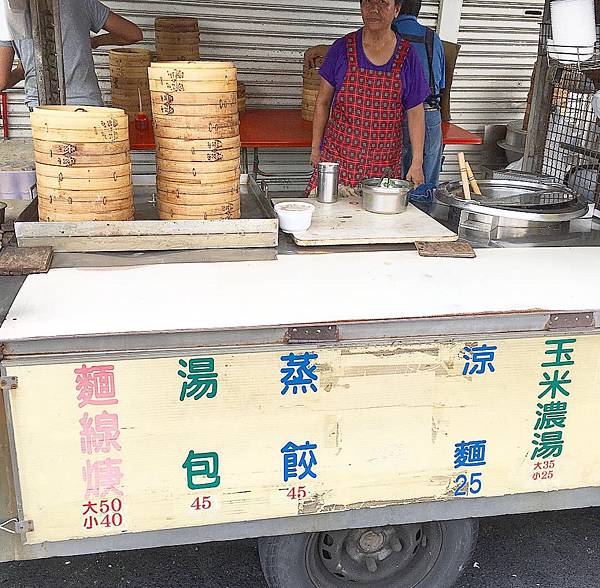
423,555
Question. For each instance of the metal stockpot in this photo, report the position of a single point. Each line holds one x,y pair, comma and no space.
384,200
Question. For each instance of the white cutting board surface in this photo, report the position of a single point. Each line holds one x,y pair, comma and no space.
346,223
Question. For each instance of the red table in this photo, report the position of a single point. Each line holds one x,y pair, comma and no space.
283,128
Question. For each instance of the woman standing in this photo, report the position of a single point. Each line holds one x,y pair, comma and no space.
371,80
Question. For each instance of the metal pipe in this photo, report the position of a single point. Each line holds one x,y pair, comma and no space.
58,44
4,115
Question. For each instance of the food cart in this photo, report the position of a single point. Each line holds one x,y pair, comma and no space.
357,406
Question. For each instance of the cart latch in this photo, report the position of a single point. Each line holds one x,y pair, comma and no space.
8,383
313,334
570,320
16,527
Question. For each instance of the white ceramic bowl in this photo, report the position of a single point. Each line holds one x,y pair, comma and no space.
294,216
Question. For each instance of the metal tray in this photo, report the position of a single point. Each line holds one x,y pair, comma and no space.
258,227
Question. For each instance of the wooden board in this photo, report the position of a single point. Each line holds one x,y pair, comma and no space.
346,223
22,261
388,424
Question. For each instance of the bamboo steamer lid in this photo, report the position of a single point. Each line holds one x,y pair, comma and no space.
199,123
181,189
132,74
199,156
65,183
84,149
196,110
175,23
49,215
126,84
76,160
54,171
171,212
241,89
89,207
241,105
310,94
198,145
69,196
188,182
231,196
192,98
77,118
223,72
168,85
307,115
196,168
316,85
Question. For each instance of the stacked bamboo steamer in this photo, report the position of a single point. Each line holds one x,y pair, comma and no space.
83,166
129,80
177,39
196,128
311,81
241,97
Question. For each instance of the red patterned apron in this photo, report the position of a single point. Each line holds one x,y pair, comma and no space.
364,131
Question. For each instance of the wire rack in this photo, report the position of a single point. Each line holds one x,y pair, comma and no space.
572,151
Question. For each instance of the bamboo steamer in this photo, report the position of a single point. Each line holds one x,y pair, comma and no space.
76,149
232,196
89,207
191,184
206,132
113,171
199,156
201,110
198,144
169,85
168,167
177,24
69,196
83,167
199,212
50,215
62,160
94,184
176,38
195,112
194,71
241,97
182,38
192,98
222,184
130,88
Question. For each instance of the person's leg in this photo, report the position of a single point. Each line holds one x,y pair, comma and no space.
432,161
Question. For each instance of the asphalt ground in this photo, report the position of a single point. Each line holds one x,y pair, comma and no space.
546,550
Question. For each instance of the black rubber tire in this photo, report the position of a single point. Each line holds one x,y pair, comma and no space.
283,559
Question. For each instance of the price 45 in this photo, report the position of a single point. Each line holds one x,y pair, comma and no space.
204,503
297,493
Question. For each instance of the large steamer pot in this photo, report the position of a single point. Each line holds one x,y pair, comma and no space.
383,199
476,221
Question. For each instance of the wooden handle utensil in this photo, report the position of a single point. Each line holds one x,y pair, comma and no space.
472,181
462,164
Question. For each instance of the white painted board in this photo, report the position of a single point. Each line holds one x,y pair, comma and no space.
302,289
346,223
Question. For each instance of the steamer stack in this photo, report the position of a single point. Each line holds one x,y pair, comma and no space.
196,128
177,39
241,97
83,164
311,81
129,80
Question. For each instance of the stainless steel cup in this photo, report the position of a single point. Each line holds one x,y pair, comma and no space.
327,186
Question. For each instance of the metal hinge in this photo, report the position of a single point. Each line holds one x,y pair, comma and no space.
8,383
18,526
570,320
313,334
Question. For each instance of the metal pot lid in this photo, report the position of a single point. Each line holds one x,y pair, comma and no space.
494,192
